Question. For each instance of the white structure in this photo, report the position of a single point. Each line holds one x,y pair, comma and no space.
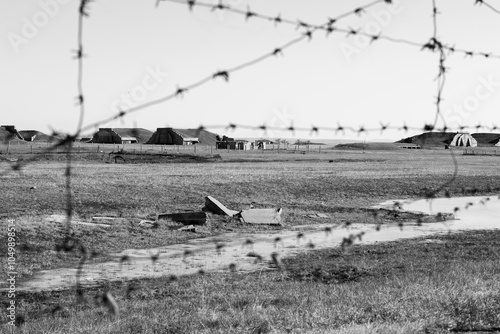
464,139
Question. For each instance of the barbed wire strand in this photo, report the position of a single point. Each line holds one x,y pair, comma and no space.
482,2
276,19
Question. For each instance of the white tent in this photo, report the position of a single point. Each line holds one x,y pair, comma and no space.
464,139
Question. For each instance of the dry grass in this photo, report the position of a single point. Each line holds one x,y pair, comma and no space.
409,286
370,289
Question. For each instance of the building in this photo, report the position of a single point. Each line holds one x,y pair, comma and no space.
234,144
262,143
170,136
121,136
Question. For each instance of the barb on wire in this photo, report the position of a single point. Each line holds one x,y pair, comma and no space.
483,2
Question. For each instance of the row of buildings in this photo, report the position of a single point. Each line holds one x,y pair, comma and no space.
171,136
162,136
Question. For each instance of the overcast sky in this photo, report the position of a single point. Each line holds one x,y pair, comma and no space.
137,52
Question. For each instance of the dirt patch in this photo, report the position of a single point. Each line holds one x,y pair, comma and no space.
328,275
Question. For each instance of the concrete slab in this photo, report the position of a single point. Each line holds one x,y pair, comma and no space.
186,218
262,216
148,224
91,224
213,205
109,220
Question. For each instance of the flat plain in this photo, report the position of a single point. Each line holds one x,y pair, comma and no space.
438,284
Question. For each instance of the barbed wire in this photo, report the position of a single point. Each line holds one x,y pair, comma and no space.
276,19
433,45
482,2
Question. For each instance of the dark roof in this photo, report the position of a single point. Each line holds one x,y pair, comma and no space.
8,134
204,137
142,135
441,138
38,136
486,139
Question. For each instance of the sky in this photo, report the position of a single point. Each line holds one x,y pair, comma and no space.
137,52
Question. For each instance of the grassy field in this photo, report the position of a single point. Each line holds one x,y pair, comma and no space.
341,184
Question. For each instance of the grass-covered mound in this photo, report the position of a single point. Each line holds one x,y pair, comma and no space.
367,146
430,139
486,139
36,136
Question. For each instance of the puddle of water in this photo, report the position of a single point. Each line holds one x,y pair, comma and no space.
205,256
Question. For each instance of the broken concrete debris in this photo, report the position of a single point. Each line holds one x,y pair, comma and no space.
317,215
214,206
108,220
148,224
63,219
251,216
186,218
189,228
262,216
91,224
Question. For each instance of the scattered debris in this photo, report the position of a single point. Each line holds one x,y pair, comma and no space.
109,220
186,218
213,205
91,224
262,216
56,218
148,224
189,228
63,219
443,216
317,215
119,157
